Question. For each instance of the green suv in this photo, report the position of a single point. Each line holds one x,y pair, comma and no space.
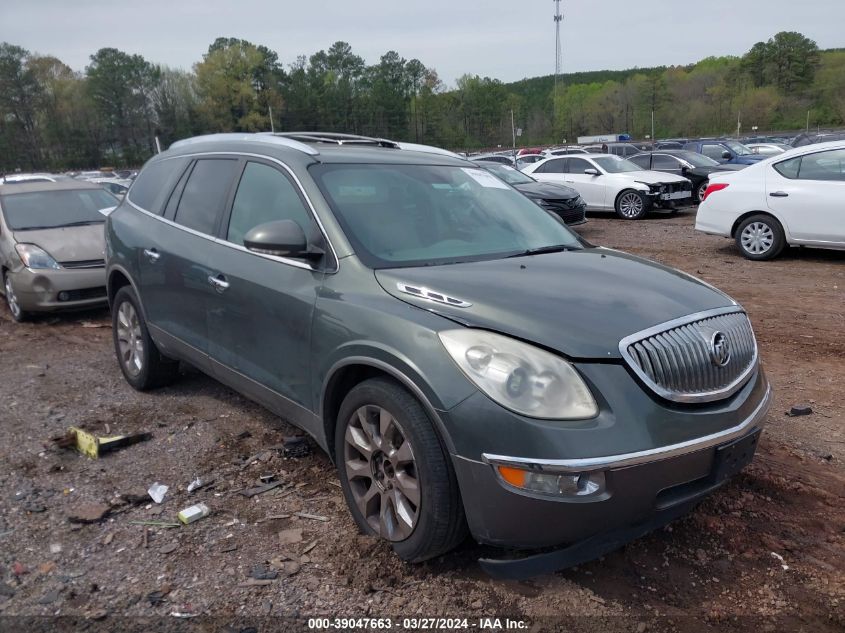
467,361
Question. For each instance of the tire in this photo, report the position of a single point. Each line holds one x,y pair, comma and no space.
700,189
631,205
143,366
760,237
396,478
18,314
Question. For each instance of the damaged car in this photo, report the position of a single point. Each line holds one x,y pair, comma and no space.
470,364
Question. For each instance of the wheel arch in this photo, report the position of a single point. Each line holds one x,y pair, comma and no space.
349,372
748,214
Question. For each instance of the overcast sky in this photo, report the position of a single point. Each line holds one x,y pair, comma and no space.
506,39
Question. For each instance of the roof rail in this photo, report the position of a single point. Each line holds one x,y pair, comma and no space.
337,139
260,137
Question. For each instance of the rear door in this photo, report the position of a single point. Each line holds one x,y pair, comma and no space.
808,193
176,264
260,314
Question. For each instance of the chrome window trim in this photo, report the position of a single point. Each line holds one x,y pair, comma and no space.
707,396
625,460
282,260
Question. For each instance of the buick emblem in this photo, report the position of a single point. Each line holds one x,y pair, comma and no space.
720,350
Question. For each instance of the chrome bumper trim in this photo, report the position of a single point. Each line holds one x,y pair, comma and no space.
632,459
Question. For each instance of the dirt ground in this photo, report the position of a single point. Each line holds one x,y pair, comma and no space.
765,552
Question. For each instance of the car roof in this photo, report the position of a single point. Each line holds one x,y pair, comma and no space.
11,188
316,147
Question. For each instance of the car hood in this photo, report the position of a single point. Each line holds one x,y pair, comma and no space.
580,303
546,191
651,177
68,244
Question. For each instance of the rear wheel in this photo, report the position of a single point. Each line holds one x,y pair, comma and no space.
18,314
699,192
143,366
397,479
760,237
631,205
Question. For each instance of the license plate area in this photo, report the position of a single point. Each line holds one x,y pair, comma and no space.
732,457
676,195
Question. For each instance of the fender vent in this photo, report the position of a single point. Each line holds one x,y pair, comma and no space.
432,295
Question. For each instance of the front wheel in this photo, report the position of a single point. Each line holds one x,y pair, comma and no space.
631,205
760,237
699,192
18,314
397,479
143,366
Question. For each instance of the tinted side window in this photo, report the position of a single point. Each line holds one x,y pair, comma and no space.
205,194
556,166
828,165
264,195
661,161
154,182
641,161
713,151
788,168
577,166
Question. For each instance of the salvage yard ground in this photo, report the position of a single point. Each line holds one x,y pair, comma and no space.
772,543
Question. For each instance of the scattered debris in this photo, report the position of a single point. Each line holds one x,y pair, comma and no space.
55,548
291,536
50,597
6,591
34,507
314,517
161,524
310,546
157,492
228,547
108,538
273,517
194,513
91,324
185,611
243,435
169,548
262,572
782,561
251,492
800,409
89,513
266,479
252,582
94,446
296,446
155,598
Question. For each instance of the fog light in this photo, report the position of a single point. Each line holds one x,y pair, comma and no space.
64,296
562,485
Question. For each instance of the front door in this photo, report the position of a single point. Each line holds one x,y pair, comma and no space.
808,192
591,187
260,314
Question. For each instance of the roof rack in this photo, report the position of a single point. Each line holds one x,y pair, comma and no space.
260,137
337,139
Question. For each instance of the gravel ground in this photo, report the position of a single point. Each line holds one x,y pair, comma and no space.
764,551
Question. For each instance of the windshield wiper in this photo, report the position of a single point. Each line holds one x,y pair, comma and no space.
81,223
556,248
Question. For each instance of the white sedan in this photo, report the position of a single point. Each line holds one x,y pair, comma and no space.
611,183
796,198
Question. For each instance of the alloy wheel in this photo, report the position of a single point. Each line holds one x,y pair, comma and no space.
701,189
631,205
12,300
757,238
130,339
382,473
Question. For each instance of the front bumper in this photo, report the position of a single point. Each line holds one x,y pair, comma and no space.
640,485
40,290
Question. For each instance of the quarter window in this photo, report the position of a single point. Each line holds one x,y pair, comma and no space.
205,194
789,168
265,195
154,183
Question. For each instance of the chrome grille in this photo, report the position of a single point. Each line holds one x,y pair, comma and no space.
87,263
682,360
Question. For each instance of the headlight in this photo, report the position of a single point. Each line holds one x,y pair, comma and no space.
522,378
33,256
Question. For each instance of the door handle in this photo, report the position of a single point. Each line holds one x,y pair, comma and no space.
152,254
220,284
779,194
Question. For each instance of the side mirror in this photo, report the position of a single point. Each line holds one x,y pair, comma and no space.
592,171
282,238
727,154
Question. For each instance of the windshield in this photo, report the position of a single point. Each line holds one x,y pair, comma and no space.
615,165
509,174
696,160
417,215
738,148
52,209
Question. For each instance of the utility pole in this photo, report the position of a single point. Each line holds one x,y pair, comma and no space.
652,126
513,134
272,127
558,59
808,122
738,122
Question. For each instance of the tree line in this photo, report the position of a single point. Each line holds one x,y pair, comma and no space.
113,112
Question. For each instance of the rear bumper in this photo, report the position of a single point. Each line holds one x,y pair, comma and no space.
40,290
639,486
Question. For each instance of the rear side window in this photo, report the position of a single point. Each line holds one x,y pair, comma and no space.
265,195
661,161
205,194
642,161
556,166
828,165
154,183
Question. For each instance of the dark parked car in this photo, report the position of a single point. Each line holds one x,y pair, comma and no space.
624,149
563,201
724,151
465,359
696,167
501,159
811,139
